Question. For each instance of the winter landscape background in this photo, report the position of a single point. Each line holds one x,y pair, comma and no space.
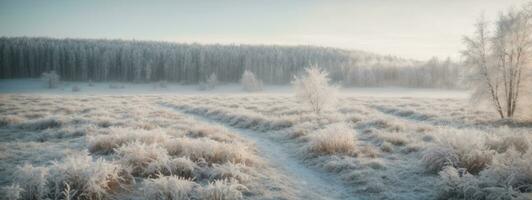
314,102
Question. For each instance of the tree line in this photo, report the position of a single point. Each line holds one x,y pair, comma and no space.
147,61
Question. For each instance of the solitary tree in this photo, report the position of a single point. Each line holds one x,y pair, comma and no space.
51,79
212,81
314,90
500,61
249,82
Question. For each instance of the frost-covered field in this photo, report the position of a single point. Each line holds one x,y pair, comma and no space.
259,146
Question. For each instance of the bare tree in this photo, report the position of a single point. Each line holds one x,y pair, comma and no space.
249,82
500,61
313,89
212,81
51,79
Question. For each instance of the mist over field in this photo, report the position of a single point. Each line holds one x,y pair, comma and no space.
224,100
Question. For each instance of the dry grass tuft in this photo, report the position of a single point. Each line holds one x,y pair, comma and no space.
169,188
145,159
334,139
33,181
210,151
120,136
78,172
45,123
461,149
223,190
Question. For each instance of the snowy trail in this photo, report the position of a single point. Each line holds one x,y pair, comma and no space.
310,183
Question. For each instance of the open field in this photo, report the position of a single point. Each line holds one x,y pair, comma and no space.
266,100
258,146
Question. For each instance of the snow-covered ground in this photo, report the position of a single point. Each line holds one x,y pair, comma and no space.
140,142
36,86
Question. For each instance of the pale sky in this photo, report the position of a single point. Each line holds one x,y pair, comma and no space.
416,29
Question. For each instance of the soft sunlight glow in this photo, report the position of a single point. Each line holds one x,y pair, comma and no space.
407,28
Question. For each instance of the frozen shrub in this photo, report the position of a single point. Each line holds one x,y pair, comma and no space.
182,167
209,150
45,123
510,168
140,156
216,133
51,79
90,179
120,136
334,139
249,82
501,145
314,90
68,193
386,147
12,192
223,190
437,157
460,149
212,81
32,180
229,171
390,125
169,188
459,184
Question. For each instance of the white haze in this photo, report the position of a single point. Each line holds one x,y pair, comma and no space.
407,28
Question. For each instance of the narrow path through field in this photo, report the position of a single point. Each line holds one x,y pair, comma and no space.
309,183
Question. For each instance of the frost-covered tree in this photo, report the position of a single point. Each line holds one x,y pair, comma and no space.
249,82
51,79
501,61
314,90
212,81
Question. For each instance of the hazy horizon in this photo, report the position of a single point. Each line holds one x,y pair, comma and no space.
404,28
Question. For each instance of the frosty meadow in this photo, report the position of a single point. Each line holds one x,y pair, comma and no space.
98,119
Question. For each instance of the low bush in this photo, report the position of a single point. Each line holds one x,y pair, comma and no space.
169,188
229,171
12,192
334,139
460,149
145,159
120,136
182,167
32,181
210,151
78,172
90,179
44,123
223,190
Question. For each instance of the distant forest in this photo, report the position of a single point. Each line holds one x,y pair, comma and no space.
146,61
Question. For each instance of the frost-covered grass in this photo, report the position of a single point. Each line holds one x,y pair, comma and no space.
142,147
384,147
123,147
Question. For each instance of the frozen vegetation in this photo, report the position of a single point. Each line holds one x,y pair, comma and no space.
217,147
171,121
